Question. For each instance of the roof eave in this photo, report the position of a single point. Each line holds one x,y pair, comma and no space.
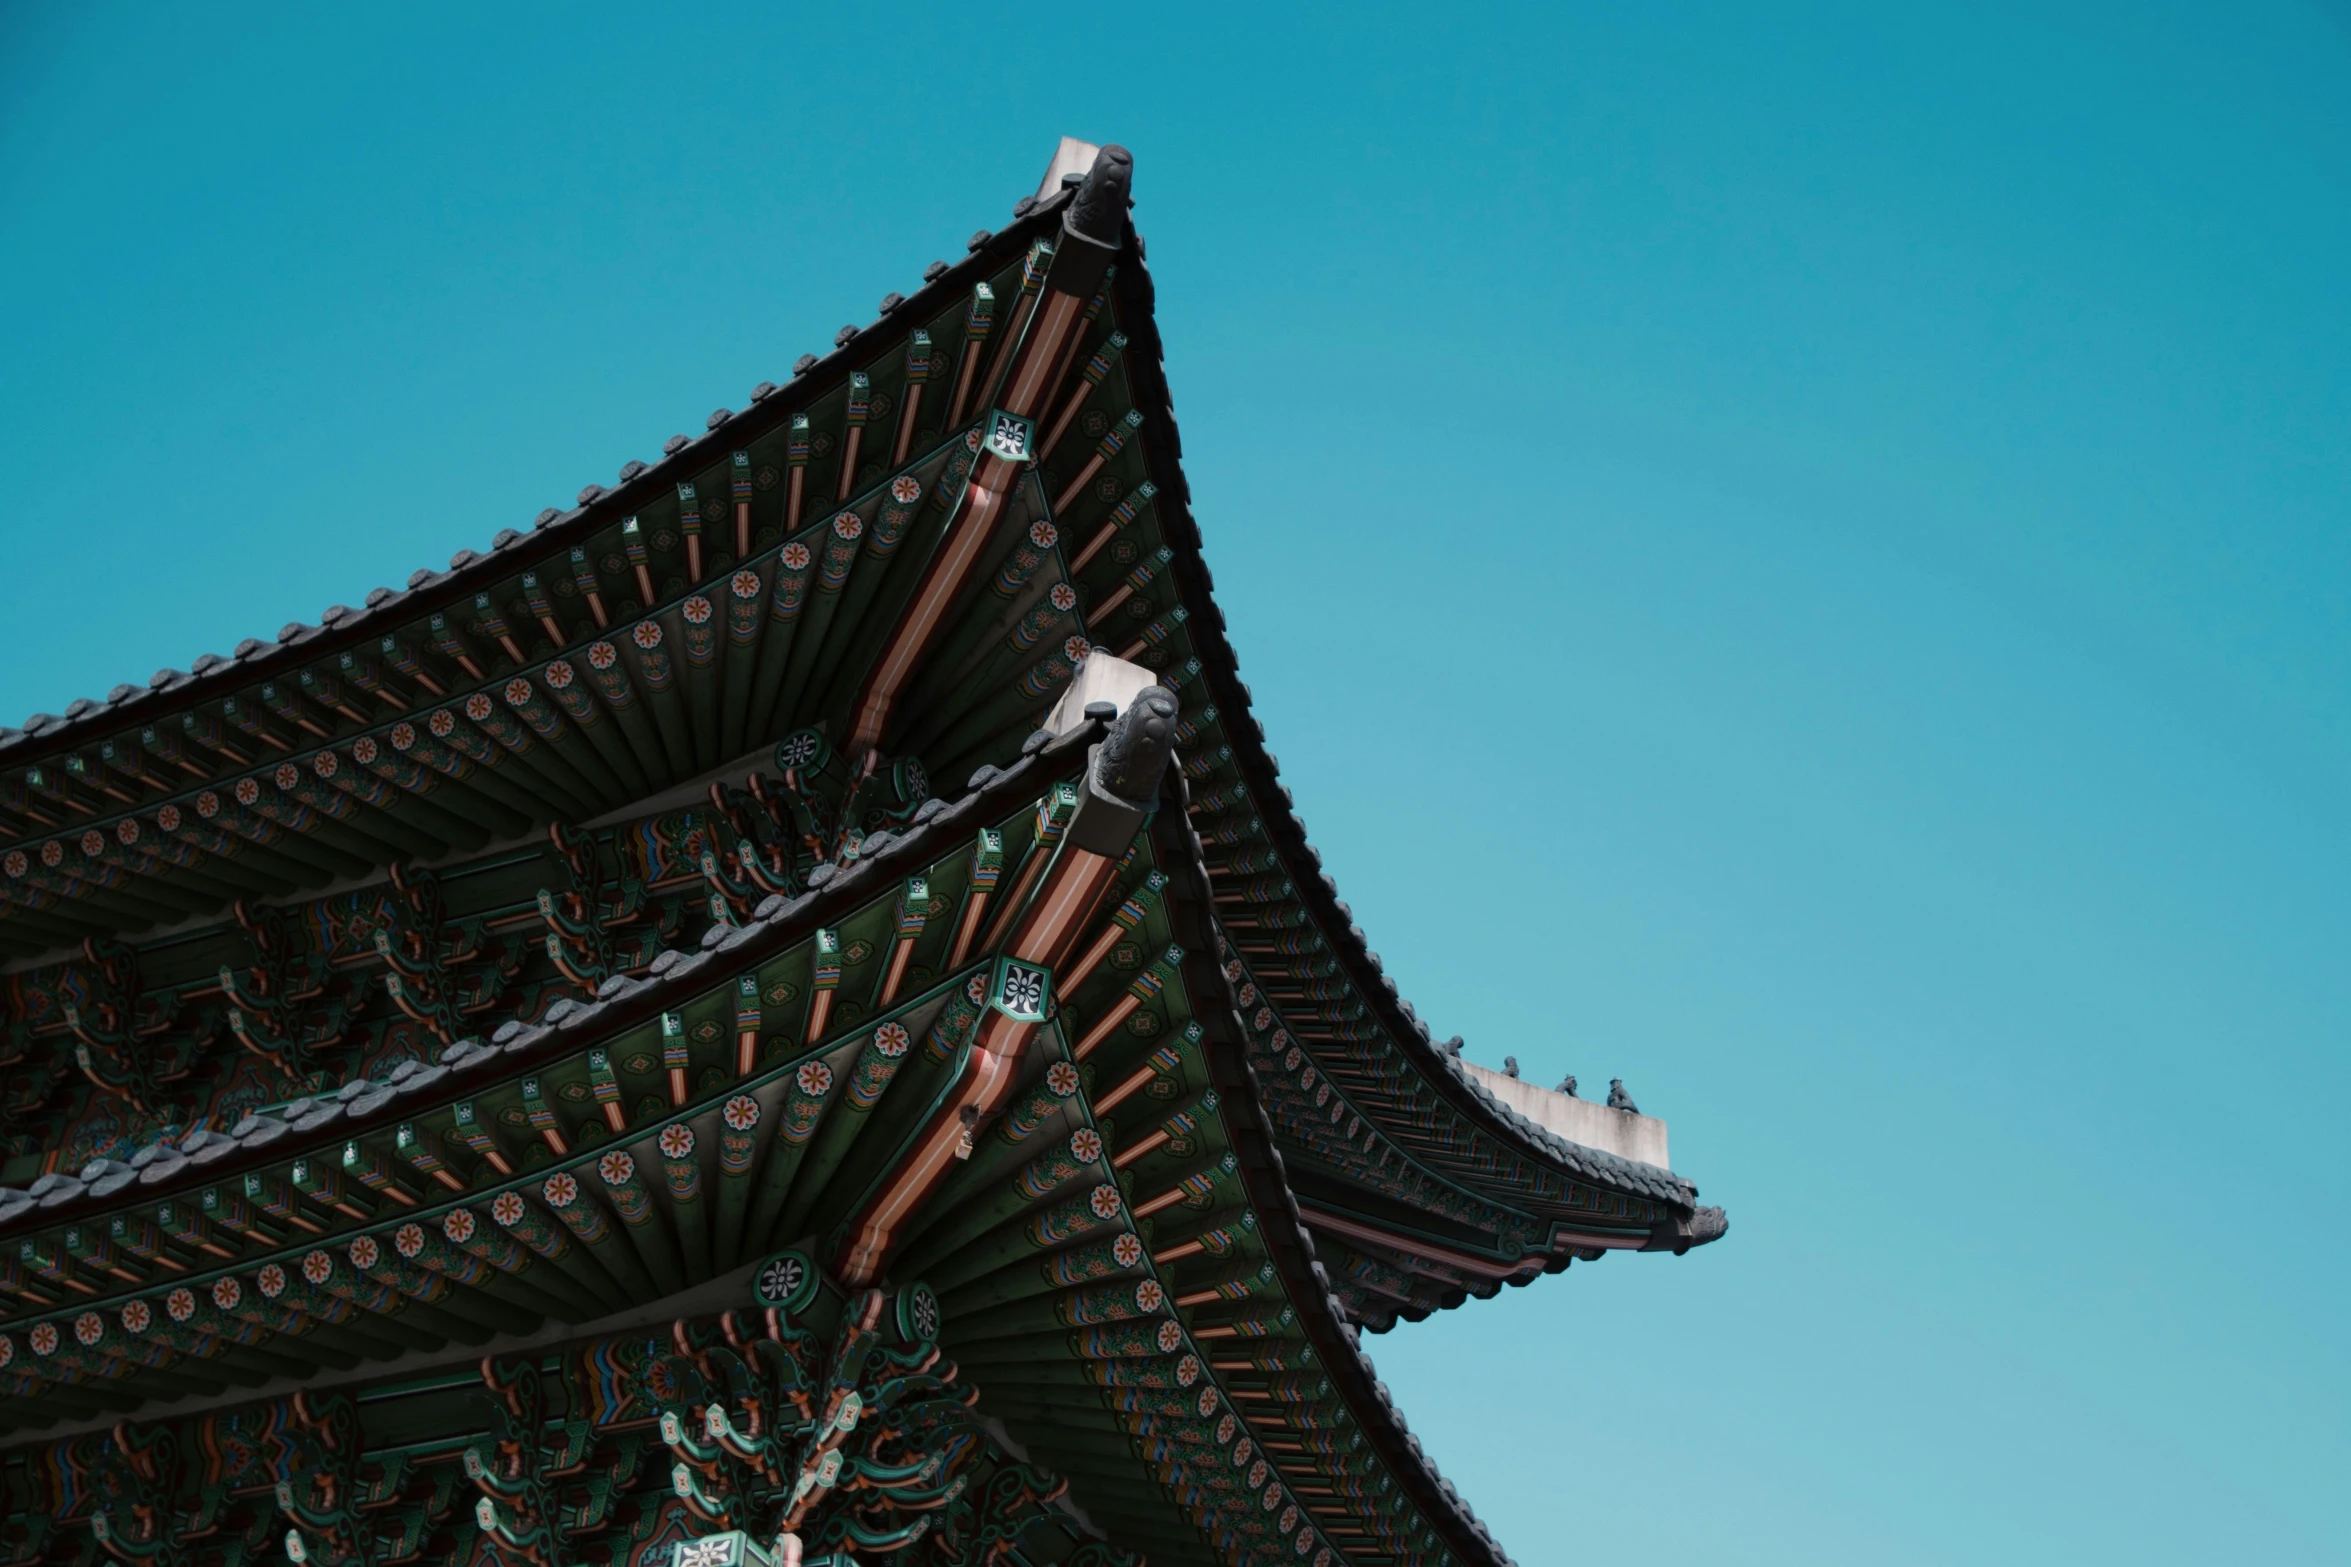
1163,449
552,534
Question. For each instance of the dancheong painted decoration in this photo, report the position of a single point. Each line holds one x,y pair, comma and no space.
779,1014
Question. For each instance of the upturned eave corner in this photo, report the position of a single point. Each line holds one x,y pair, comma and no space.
779,1014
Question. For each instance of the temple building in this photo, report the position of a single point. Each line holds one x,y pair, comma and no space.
780,1014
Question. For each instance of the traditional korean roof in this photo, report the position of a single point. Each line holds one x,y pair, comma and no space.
522,960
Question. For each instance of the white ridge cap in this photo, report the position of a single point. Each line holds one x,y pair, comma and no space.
1071,157
1624,1133
1099,678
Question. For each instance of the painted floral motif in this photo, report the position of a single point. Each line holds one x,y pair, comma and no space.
815,1079
1085,1145
892,1040
7,1350
180,1304
1149,1296
1171,1336
1104,1202
127,830
1187,1371
602,655
137,1316
744,584
226,1293
168,818
1043,534
287,776
741,1113
443,723
506,1208
272,1280
365,1253
17,863
317,1266
1075,649
1257,1473
976,989
477,707
458,1223
93,842
677,1141
1289,1519
905,490
408,1240
646,635
1224,1430
617,1168
799,749
43,1338
1061,1078
697,610
89,1327
518,692
1063,597
561,1190
1127,1250
796,557
558,675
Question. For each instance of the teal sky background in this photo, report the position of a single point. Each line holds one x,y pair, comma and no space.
1793,555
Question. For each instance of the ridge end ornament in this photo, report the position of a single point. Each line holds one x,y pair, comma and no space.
1121,784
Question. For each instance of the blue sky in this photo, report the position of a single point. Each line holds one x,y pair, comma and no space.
1795,556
